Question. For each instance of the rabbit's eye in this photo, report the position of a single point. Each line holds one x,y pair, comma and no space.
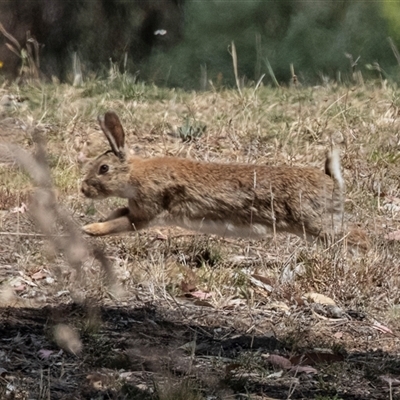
103,169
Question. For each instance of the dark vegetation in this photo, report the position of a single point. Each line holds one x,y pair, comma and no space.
98,32
188,43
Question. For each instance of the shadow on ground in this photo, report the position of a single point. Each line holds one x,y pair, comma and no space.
138,354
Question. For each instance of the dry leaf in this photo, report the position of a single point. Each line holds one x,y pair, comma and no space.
230,304
278,305
241,260
334,311
97,381
45,354
316,358
393,235
22,209
391,204
319,298
263,279
6,295
187,287
338,335
202,303
125,374
390,381
303,368
289,274
38,276
259,283
67,338
392,199
160,235
275,375
382,328
279,361
201,295
20,288
189,347
298,300
232,367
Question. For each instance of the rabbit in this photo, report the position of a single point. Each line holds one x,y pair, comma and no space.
239,200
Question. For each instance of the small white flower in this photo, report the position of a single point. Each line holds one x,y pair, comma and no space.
160,32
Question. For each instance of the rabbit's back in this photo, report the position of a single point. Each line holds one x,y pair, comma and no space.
237,197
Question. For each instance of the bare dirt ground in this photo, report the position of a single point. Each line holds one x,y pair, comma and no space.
170,314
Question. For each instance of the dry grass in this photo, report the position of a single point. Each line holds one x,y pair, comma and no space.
253,287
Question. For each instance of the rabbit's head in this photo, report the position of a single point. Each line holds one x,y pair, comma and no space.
108,175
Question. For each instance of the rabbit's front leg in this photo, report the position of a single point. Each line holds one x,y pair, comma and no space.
116,222
123,221
109,227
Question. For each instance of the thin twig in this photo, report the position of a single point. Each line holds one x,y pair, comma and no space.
31,234
235,66
10,37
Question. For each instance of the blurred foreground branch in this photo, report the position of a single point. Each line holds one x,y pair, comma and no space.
48,214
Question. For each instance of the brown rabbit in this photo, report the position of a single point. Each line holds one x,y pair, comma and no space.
224,199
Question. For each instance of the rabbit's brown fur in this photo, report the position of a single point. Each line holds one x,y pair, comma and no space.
225,199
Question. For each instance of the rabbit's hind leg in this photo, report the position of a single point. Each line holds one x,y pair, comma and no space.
119,212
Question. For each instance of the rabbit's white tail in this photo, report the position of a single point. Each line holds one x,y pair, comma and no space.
333,169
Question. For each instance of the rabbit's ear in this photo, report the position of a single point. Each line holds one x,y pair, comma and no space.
112,128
